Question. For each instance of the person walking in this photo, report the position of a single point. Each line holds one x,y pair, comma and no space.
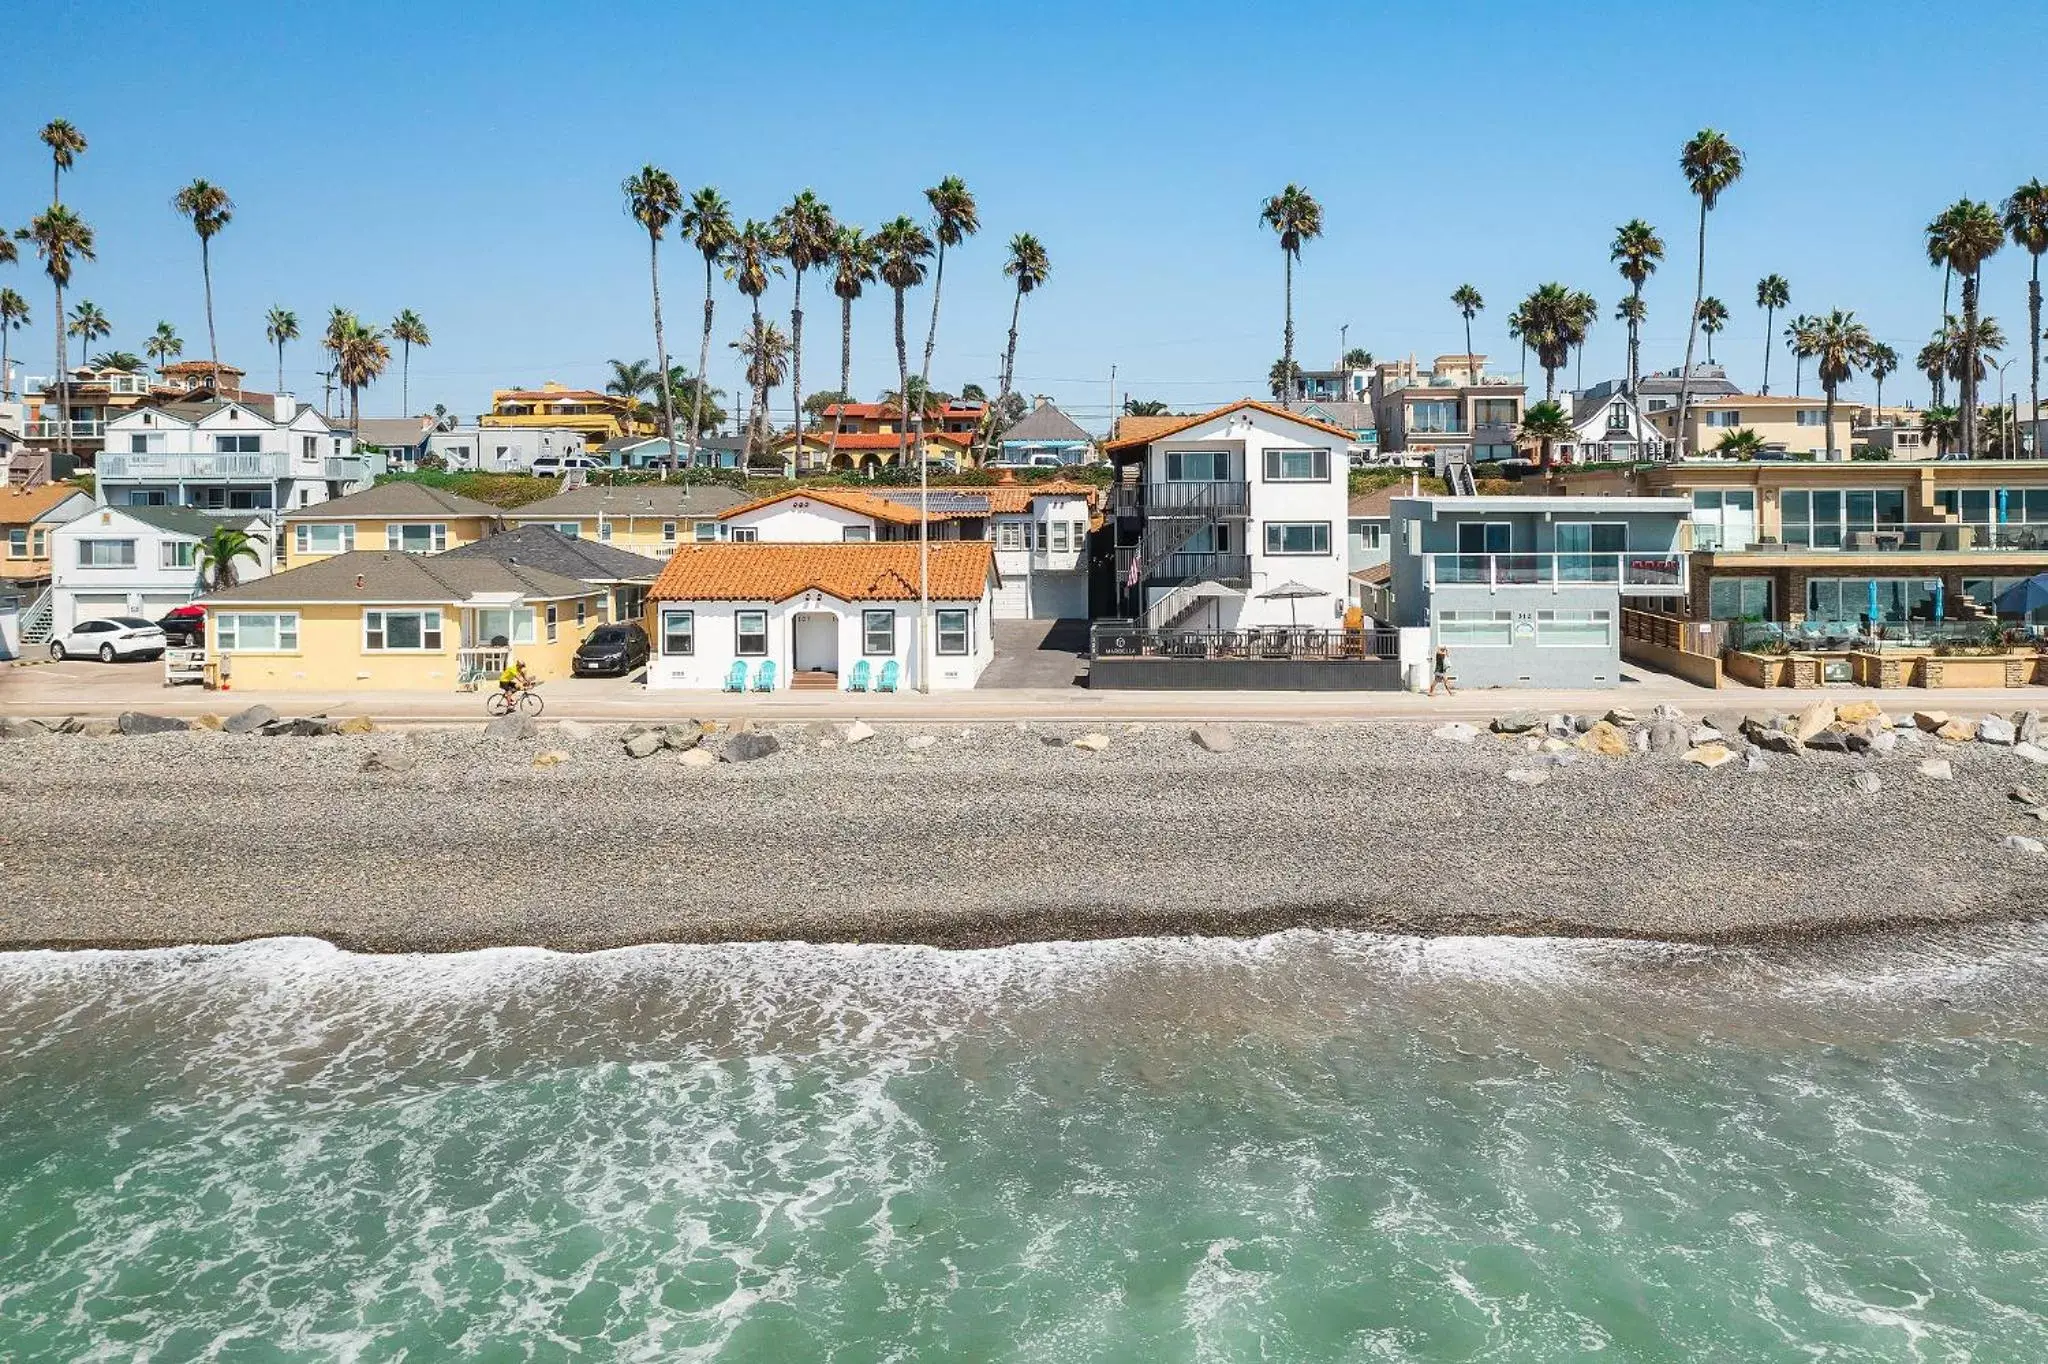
1442,676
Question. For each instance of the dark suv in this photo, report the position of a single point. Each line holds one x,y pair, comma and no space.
611,651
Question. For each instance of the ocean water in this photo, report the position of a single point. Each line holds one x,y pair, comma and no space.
1312,1146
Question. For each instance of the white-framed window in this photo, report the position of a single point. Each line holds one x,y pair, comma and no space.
416,537
1475,629
750,630
106,554
705,532
309,447
745,535
256,632
956,632
17,542
1575,629
678,631
604,529
178,553
878,632
1009,535
402,632
1724,416
1816,416
582,610
1297,537
1059,537
857,535
311,539
237,445
1434,418
39,544
1367,533
668,532
146,497
1723,518
1617,417
1197,466
1297,466
554,622
514,624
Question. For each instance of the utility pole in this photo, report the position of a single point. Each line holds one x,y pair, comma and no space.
1112,400
1343,343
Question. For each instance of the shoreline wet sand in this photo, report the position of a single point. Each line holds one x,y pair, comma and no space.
993,834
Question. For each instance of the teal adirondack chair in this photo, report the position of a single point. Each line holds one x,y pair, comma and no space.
860,677
891,673
736,676
764,680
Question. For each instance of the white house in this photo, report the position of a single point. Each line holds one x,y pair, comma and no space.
1217,514
1607,429
817,612
138,560
504,449
227,456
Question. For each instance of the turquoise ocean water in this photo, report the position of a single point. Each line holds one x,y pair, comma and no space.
1314,1146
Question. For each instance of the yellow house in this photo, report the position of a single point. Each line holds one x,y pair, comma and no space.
27,516
410,517
1795,425
377,621
599,416
846,451
648,518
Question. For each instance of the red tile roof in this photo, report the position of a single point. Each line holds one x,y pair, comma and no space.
886,571
872,440
1180,424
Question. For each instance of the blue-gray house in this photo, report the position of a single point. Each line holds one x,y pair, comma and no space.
1044,437
1528,591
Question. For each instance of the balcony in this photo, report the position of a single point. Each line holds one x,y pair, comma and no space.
1635,572
1055,560
347,469
155,467
1126,639
1169,499
89,428
1932,537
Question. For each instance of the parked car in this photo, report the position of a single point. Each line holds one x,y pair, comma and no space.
116,637
611,650
184,627
554,466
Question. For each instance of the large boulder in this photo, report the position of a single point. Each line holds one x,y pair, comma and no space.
1937,769
1457,732
574,731
2020,843
1958,731
514,728
644,744
1868,783
1621,717
137,722
1711,756
2033,753
389,763
2026,727
747,746
1092,743
1826,741
1667,736
1760,722
1811,721
249,721
1664,710
1776,741
1858,712
11,728
1930,720
307,727
356,724
1606,740
94,727
1517,722
683,736
859,732
1996,729
697,757
1213,739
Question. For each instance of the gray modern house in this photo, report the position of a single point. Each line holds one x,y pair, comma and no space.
1529,591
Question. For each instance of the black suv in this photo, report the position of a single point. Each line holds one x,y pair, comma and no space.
611,650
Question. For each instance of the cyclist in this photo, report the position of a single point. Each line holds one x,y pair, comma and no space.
514,680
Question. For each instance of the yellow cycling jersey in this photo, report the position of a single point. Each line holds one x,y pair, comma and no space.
510,676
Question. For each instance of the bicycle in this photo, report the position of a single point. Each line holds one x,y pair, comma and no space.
501,702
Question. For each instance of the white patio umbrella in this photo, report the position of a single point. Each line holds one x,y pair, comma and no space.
1291,592
1216,592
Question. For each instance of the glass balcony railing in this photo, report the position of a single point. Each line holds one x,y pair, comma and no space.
1640,571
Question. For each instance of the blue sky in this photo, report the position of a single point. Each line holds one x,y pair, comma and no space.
426,155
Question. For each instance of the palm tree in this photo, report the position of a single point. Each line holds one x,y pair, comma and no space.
1883,362
1358,357
1971,234
1551,321
65,143
88,324
653,199
218,553
1636,253
364,357
804,233
1711,164
707,222
209,209
1469,304
750,263
62,239
1713,317
408,331
126,361
1543,425
1282,378
766,351
1742,444
279,326
632,381
1588,309
163,346
340,324
2026,220
1932,361
1968,347
1940,232
1144,408
1798,339
854,259
1027,268
1295,215
955,218
13,317
1772,293
1840,346
1943,424
902,248
689,390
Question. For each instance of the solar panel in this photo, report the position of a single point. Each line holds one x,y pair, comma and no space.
942,503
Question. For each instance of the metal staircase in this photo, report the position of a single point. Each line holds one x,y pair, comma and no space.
1174,514
35,621
1456,473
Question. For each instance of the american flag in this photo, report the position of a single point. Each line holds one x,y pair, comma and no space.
1131,579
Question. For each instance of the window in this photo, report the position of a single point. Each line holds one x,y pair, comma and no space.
1058,544
1575,629
1738,598
745,535
416,539
554,622
1811,417
878,632
402,631
138,445
678,632
106,554
39,544
1847,602
1367,533
1197,466
17,542
604,529
1434,418
629,603
309,447
310,539
511,624
1828,519
751,629
572,529
1724,518
179,553
1297,537
856,535
1475,629
1297,466
253,632
668,532
954,634
706,531
1009,535
237,445
1483,537
1495,412
1590,551
581,608
146,497
1983,506
1481,453
305,497
1724,417
1617,417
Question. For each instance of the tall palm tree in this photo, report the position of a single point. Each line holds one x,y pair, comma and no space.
854,260
1798,339
1711,164
14,316
1772,293
1550,322
1883,362
1294,214
633,381
2026,220
748,266
1971,235
209,209
1469,304
1939,233
218,553
1637,251
1282,378
803,232
1942,423
1713,319
363,358
1588,309
408,330
65,143
902,247
1543,425
62,239
766,352
1840,345
1932,361
1027,267
279,326
955,218
163,346
1967,348
707,223
654,199
340,324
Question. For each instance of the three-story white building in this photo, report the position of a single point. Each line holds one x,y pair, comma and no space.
272,456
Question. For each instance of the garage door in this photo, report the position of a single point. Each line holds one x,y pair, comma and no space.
155,604
1012,599
98,606
1059,596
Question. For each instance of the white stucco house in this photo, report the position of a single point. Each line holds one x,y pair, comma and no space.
139,560
1215,514
817,612
272,455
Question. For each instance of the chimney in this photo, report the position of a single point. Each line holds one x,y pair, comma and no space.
283,408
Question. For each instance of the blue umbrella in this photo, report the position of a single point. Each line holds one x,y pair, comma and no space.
2023,598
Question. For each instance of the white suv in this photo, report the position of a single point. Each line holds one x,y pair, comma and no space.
118,637
554,466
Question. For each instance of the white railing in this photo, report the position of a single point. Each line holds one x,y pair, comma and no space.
1055,560
52,429
1639,571
129,465
474,667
